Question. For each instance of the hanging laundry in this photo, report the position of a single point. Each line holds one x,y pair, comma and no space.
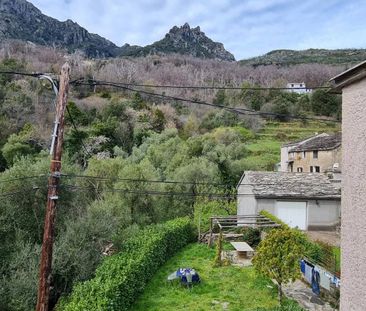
308,272
324,279
302,266
315,279
336,281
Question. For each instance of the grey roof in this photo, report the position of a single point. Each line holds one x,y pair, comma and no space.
297,142
291,185
328,142
349,76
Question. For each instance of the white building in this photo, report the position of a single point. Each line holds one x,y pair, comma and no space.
299,88
309,201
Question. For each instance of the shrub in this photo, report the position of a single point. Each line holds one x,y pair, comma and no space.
252,236
122,278
274,218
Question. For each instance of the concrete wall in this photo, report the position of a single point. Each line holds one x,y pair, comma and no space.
284,159
321,214
325,160
353,230
247,204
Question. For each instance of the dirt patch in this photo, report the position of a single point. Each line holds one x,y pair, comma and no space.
330,237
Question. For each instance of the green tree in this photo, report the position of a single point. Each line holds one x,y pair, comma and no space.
218,257
220,98
252,98
278,256
9,64
21,144
324,103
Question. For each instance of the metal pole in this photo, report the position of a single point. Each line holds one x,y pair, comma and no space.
55,127
52,196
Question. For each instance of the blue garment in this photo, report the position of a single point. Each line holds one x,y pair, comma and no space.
336,281
302,266
315,279
188,275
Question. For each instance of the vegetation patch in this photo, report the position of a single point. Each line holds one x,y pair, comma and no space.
122,277
234,287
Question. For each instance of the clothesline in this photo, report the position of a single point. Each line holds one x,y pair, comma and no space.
318,277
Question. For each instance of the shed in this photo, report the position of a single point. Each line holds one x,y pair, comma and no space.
309,201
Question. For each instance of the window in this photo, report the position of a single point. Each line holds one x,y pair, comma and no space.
299,169
315,154
314,169
304,154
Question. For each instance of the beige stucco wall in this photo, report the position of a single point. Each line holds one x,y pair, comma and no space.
353,229
325,160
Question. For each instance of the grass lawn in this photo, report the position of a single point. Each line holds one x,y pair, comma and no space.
241,288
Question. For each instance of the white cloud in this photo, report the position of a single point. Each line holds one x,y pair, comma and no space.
246,27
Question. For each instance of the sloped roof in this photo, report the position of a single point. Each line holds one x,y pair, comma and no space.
329,142
291,185
349,76
300,141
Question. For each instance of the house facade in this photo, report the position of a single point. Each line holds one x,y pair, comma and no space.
317,154
299,88
309,201
352,85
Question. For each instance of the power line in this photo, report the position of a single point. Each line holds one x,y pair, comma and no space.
144,180
167,86
159,193
27,74
203,87
6,194
237,110
21,178
77,131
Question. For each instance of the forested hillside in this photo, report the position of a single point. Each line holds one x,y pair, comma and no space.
131,158
310,56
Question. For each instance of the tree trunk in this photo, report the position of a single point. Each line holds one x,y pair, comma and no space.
280,294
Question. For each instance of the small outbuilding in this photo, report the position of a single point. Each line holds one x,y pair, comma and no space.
309,201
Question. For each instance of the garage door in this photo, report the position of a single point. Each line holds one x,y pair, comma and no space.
292,213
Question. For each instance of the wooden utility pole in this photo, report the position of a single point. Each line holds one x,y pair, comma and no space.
52,196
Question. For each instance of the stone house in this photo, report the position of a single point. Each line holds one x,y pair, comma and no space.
308,201
317,154
352,84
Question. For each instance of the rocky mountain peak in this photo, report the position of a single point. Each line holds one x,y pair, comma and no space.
21,20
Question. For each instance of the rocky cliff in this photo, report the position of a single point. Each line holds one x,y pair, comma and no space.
21,20
183,40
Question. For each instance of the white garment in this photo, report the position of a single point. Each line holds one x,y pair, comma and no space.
308,272
324,279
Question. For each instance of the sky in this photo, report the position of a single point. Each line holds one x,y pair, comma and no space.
247,28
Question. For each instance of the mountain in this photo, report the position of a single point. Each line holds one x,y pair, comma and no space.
21,20
183,40
320,56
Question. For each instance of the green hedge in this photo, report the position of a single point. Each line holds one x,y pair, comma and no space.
122,277
274,218
313,250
